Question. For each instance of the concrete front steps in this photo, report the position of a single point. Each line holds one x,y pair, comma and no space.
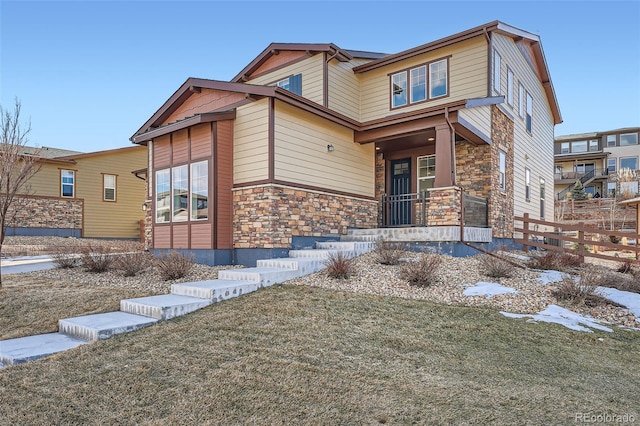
185,298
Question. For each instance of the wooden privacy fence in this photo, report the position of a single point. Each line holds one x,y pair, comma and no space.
583,241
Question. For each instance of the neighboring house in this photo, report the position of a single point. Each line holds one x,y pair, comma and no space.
597,160
309,140
74,194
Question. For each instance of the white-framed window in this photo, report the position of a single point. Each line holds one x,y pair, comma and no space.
426,172
630,163
418,78
180,193
68,183
200,190
496,72
611,140
527,184
565,148
558,171
628,139
529,112
509,86
163,196
542,198
109,187
520,100
611,189
611,165
399,90
579,146
593,145
502,170
438,79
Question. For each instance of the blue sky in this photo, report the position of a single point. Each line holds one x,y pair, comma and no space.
90,73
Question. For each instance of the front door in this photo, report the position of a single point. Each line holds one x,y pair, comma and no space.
400,200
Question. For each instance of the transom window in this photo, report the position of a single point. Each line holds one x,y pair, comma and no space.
426,172
68,183
109,187
420,84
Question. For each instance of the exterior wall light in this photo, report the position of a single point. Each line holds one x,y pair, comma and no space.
330,148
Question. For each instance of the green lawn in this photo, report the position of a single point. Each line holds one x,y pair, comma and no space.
299,355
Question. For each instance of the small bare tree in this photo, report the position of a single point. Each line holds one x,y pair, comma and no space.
16,166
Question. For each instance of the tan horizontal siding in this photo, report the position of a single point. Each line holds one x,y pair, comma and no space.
344,88
479,117
250,149
46,182
301,154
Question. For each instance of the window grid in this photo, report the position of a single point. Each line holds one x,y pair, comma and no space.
417,85
426,172
109,187
68,183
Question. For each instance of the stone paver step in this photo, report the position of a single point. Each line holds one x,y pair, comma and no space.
214,290
357,247
317,253
302,265
164,306
260,275
102,326
25,349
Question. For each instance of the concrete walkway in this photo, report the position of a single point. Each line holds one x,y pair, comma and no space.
184,298
19,265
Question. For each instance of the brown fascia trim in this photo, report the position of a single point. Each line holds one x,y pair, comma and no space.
275,48
207,117
139,172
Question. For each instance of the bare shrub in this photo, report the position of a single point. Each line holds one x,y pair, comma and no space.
339,266
626,267
133,259
97,258
495,267
555,260
173,265
624,282
389,253
65,258
582,291
422,271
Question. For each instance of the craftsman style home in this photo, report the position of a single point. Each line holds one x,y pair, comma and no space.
309,140
75,194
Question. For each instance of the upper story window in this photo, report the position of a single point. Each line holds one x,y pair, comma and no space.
68,183
579,146
426,172
109,187
611,165
529,112
520,100
565,148
509,86
496,71
627,139
611,140
292,83
420,84
593,145
630,163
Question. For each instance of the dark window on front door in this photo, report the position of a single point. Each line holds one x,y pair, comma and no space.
400,192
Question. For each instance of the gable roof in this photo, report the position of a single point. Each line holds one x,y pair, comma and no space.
48,152
342,55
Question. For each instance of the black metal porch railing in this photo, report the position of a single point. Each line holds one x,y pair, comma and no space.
584,179
475,211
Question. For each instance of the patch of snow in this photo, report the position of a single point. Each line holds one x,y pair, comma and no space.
551,276
487,289
565,317
628,299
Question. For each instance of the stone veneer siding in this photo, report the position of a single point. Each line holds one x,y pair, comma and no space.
269,216
46,212
473,168
444,207
501,202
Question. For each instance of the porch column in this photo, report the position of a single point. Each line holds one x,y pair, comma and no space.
444,169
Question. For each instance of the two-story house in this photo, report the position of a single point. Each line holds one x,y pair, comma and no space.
309,140
606,162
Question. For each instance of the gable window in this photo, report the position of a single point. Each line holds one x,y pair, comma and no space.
199,190
418,84
68,183
292,83
520,100
630,163
529,112
502,167
509,86
426,172
399,89
163,196
496,71
438,79
611,165
179,193
611,140
629,139
527,184
109,187
542,196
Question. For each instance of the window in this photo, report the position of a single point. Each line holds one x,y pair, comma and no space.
292,84
558,172
579,146
68,183
109,187
611,140
163,196
426,172
418,84
629,139
438,79
502,158
593,145
179,193
542,197
565,148
509,86
496,71
399,89
527,184
630,163
520,100
199,190
611,189
611,165
529,112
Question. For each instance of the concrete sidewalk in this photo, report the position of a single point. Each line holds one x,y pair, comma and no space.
18,265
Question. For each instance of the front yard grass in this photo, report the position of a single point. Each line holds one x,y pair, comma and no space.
301,355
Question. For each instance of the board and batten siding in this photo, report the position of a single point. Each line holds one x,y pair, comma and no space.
467,79
531,150
312,77
301,155
251,142
344,87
